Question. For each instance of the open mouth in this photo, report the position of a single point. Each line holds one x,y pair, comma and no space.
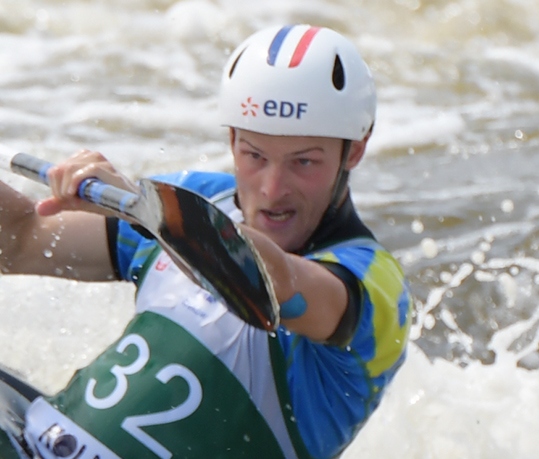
279,216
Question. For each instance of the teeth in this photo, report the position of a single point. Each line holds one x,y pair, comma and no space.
280,216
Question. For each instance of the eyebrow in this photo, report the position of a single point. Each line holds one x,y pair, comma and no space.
294,153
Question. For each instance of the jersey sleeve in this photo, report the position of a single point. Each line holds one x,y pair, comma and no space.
334,389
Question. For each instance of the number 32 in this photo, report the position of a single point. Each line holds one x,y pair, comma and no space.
133,424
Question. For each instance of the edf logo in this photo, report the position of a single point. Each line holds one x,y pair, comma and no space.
274,108
284,109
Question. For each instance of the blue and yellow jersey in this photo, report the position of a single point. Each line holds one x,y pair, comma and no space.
332,389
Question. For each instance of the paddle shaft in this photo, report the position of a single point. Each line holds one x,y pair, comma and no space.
90,189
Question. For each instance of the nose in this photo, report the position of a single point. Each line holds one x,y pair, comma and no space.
275,182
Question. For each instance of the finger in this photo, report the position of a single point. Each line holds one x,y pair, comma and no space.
47,207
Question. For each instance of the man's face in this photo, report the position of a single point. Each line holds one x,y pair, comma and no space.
285,183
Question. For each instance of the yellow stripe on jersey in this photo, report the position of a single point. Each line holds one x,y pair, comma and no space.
384,282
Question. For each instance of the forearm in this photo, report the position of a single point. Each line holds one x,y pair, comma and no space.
69,244
317,297
16,211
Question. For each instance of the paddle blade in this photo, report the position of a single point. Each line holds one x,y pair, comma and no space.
207,245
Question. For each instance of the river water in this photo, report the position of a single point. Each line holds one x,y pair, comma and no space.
449,183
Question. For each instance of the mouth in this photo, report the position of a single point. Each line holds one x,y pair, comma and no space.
278,216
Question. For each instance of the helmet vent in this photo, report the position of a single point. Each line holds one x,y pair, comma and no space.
233,66
338,74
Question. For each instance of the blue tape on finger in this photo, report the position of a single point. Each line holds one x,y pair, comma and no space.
294,307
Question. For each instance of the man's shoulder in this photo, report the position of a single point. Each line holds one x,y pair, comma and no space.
208,184
354,251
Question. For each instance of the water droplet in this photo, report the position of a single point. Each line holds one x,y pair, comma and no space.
429,247
507,206
429,322
47,253
478,257
445,277
417,226
485,246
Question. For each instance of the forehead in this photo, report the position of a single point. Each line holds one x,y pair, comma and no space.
289,144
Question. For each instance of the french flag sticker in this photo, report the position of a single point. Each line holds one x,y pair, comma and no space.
290,45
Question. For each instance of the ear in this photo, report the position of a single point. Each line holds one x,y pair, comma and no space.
357,150
232,137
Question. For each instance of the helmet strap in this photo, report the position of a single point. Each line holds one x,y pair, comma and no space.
341,181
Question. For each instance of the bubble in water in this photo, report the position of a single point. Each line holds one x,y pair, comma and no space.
477,257
510,288
417,226
429,247
485,246
446,277
483,276
507,206
429,322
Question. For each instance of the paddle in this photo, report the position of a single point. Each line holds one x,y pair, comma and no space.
203,241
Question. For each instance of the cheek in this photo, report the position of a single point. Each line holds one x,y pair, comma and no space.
320,184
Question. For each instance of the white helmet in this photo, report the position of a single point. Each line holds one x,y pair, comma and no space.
298,80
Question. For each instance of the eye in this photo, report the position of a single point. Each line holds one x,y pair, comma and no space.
305,161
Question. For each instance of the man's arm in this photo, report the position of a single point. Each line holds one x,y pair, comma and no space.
69,244
324,294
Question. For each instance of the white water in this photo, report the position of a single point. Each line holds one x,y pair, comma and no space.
449,184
